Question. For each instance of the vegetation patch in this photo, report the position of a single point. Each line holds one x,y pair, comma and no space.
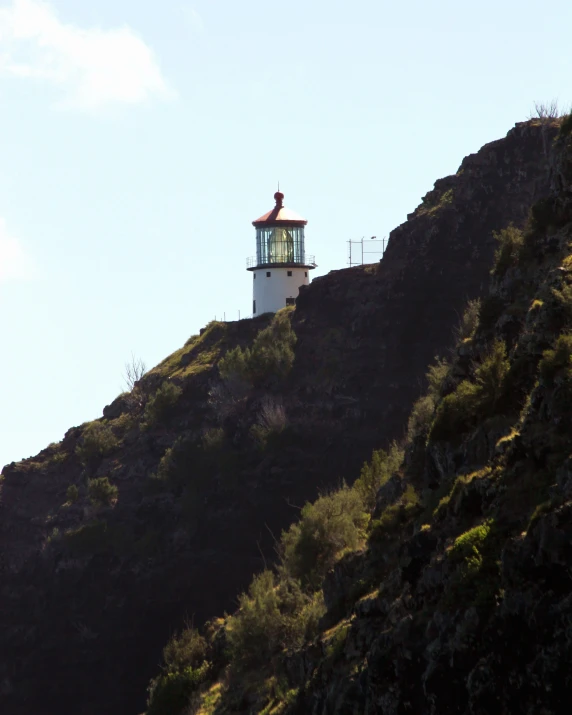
475,400
396,516
510,241
271,422
199,353
161,405
333,524
171,691
72,494
376,473
337,642
271,354
477,578
101,492
274,615
97,441
556,363
566,126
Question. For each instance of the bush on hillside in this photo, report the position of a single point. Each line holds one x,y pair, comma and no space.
560,307
396,515
376,473
161,404
72,494
333,524
473,401
557,362
271,354
271,421
566,125
469,321
170,692
186,650
420,417
456,412
101,492
490,377
97,441
437,376
510,242
274,615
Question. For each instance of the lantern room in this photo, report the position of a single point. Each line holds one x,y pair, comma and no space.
281,265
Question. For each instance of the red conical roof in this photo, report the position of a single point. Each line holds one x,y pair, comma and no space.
280,215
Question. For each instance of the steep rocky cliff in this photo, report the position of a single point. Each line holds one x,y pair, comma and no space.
457,600
165,507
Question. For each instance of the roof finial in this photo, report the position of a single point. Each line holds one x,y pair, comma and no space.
279,198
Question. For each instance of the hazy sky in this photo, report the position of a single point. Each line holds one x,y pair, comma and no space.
140,139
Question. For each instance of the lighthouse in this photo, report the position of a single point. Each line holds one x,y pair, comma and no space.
280,266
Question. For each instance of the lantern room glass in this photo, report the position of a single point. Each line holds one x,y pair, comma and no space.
280,244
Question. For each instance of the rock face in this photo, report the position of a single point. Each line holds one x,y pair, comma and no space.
469,610
88,596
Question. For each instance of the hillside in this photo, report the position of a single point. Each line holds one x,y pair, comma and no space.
164,508
440,582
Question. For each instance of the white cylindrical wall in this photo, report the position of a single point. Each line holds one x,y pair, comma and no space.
272,286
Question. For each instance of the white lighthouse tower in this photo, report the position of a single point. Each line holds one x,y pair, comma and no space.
280,266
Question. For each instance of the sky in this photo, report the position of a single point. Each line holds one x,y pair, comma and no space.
139,140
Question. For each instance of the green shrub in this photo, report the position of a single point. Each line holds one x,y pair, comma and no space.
271,354
272,616
214,439
510,241
185,650
161,404
456,412
557,362
437,375
327,528
101,492
72,494
192,461
169,693
473,401
97,440
490,376
376,473
476,580
560,306
566,125
539,511
235,364
396,515
469,321
423,410
335,648
421,417
469,545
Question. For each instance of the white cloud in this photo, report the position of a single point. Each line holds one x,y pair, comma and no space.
93,67
14,263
